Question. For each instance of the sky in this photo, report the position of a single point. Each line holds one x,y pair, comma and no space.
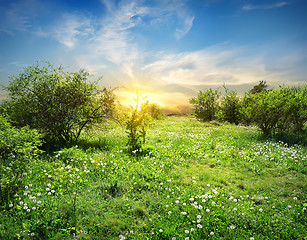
168,50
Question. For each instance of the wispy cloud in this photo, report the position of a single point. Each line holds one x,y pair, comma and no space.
70,28
250,7
186,26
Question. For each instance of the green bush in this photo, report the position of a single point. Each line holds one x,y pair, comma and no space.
57,103
229,109
17,148
206,105
277,110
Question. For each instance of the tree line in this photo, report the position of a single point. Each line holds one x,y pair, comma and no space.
274,111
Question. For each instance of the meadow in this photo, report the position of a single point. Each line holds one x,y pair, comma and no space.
191,180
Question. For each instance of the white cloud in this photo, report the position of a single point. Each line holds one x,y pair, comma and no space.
70,28
186,27
250,7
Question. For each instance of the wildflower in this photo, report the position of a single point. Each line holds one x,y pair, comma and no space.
207,210
49,184
289,206
260,210
192,229
294,198
232,227
211,233
208,185
177,201
160,230
169,212
173,238
26,187
11,205
199,226
186,231
252,238
235,209
184,213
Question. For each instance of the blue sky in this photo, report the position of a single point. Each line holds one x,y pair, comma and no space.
167,49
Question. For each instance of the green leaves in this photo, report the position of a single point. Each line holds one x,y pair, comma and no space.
59,104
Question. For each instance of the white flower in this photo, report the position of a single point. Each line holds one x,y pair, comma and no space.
251,238
199,226
49,184
47,189
160,230
235,209
294,198
192,229
211,233
198,216
207,210
260,210
11,205
177,201
186,231
169,212
173,238
232,227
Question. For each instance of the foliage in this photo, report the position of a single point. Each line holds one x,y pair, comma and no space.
201,181
18,147
277,110
230,106
205,104
59,104
262,86
154,110
136,123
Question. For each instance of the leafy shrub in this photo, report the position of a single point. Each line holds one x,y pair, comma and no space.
205,104
136,123
277,110
229,109
17,148
59,104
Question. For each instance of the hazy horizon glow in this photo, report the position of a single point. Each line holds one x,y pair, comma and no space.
167,50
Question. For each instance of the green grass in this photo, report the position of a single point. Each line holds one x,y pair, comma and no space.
193,180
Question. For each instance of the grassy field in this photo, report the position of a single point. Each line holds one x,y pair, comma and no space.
193,180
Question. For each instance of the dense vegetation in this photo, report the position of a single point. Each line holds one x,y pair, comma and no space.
198,180
273,111
136,178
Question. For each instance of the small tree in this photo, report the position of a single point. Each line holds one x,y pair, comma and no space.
154,110
59,104
230,107
136,123
262,86
205,104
